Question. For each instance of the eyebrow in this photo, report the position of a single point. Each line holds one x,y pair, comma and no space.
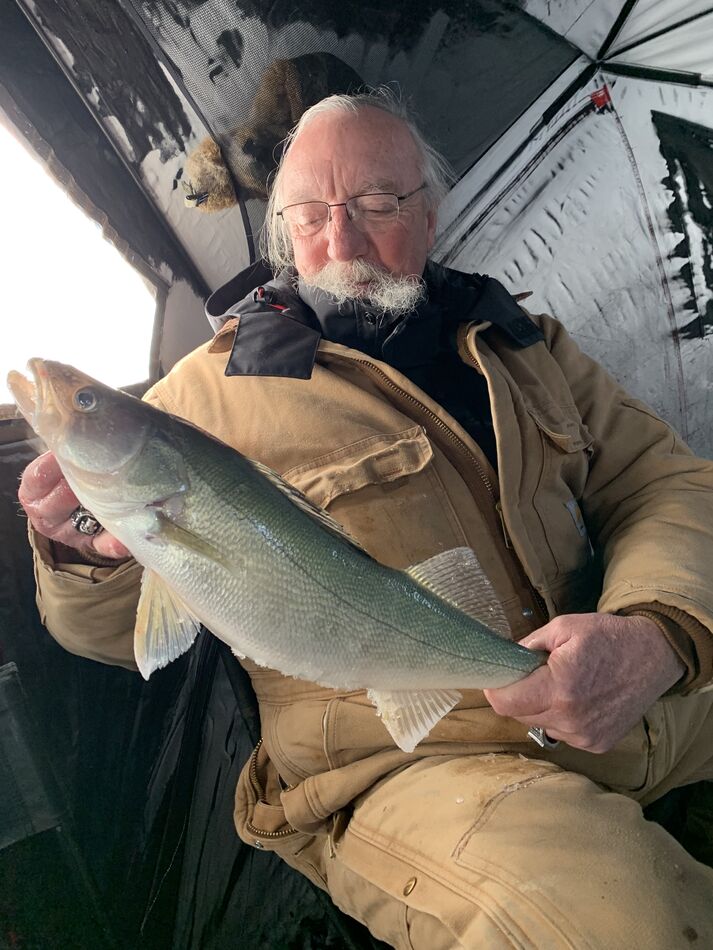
366,187
383,185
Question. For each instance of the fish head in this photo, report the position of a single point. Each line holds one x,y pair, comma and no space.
108,444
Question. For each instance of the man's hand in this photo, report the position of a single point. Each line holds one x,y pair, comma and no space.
602,674
49,501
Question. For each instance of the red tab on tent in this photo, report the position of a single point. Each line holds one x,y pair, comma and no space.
601,97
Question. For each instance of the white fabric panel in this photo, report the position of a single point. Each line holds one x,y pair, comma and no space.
688,48
216,243
567,220
635,99
650,16
586,23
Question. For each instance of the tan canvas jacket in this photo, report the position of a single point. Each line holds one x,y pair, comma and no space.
582,467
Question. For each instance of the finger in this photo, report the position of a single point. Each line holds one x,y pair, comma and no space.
530,696
541,639
50,513
107,545
39,478
554,634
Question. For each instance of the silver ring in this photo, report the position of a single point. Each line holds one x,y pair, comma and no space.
538,735
84,522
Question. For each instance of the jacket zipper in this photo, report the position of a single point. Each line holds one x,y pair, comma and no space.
441,425
463,450
258,788
463,348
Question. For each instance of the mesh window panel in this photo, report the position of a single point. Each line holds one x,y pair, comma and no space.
469,67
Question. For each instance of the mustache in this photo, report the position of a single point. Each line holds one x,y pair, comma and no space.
363,280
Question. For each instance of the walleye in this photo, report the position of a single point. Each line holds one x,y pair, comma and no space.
225,542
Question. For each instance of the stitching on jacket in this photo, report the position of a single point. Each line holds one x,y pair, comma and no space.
388,439
666,590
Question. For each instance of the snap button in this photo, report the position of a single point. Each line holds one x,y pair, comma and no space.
527,612
409,886
259,845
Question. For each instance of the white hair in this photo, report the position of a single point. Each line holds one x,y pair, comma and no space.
275,242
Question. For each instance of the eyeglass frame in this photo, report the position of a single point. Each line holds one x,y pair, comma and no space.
345,204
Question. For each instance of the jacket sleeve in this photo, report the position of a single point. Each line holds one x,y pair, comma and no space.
648,504
89,610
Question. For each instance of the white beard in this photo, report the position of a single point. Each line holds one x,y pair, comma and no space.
397,295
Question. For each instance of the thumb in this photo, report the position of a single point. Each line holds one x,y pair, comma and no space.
107,545
528,697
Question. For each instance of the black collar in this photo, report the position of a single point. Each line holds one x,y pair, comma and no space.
282,321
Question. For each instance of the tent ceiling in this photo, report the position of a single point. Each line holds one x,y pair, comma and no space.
660,34
585,23
688,48
537,86
655,16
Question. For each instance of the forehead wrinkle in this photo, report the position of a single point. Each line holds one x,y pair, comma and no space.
307,175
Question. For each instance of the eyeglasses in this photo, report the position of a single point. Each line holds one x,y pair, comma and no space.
374,212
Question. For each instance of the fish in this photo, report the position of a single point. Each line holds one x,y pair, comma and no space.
228,544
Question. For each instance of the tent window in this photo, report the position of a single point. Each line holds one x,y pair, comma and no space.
67,294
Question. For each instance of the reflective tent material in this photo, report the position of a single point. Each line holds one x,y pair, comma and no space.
581,135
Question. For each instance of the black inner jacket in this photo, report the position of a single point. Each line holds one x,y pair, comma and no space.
420,344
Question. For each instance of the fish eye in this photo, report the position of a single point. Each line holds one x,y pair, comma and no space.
85,400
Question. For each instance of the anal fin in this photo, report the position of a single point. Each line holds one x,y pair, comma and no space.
409,715
165,627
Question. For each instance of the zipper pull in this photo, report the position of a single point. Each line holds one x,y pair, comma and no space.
499,509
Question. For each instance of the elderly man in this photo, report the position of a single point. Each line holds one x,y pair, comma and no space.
426,411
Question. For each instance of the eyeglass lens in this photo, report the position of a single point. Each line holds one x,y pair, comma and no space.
368,212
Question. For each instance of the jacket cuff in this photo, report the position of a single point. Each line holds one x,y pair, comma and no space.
689,639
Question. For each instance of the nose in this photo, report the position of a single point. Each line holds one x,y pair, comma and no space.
345,241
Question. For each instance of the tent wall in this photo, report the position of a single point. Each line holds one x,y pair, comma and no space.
583,217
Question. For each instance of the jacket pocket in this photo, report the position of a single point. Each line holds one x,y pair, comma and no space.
376,459
386,492
566,446
261,822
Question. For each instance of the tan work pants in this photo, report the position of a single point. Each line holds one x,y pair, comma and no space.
502,850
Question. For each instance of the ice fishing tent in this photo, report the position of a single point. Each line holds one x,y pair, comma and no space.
581,134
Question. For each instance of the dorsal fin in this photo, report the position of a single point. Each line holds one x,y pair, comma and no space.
303,502
458,577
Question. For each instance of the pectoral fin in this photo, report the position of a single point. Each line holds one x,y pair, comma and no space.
165,627
171,530
409,715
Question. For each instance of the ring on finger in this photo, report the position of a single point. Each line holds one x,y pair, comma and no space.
84,522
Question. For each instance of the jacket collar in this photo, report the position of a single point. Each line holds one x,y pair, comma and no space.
281,321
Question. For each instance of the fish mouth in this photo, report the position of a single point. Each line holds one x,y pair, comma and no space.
24,392
33,399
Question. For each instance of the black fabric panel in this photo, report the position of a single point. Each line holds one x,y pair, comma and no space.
272,344
29,803
688,149
222,299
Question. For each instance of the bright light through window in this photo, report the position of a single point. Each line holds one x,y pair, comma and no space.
66,293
